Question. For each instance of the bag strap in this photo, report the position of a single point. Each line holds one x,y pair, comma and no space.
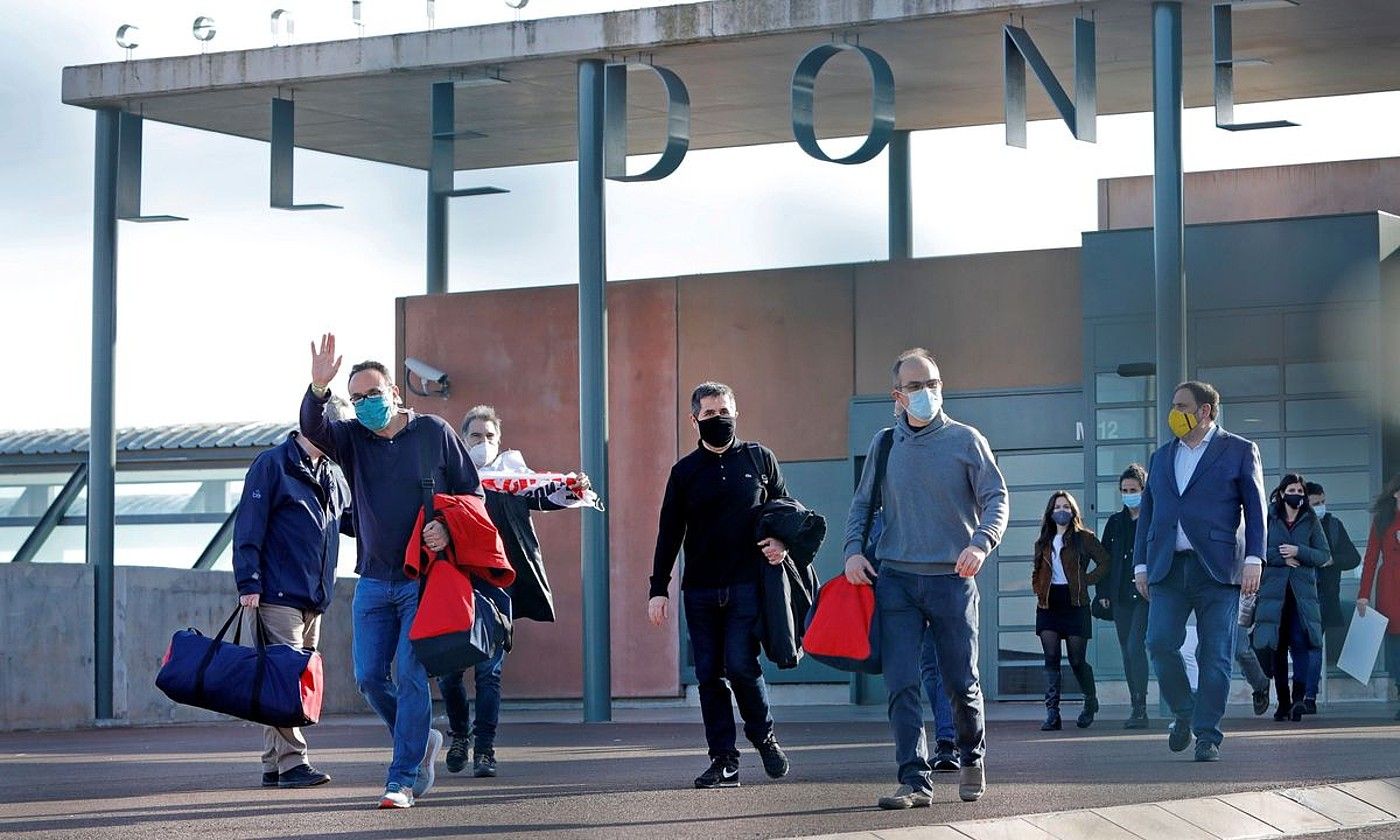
426,472
882,458
214,647
763,478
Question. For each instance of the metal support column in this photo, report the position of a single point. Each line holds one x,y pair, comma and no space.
217,543
593,390
102,449
1168,221
901,214
440,171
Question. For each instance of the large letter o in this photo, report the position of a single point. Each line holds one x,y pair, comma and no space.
804,83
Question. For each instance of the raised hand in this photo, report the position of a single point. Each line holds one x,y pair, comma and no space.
325,364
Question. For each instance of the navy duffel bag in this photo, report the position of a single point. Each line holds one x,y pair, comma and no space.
275,685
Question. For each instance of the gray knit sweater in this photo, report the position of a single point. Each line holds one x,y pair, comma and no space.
942,492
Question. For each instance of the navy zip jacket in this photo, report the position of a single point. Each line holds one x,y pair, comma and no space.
286,535
384,475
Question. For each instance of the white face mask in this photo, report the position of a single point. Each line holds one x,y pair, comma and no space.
484,453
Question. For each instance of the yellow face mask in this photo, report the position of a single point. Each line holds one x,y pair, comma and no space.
1181,423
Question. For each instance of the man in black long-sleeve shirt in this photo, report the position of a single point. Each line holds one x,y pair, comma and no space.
713,498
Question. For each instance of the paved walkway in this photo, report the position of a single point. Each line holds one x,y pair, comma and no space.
1372,804
633,778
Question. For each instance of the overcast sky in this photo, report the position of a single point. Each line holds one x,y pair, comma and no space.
215,314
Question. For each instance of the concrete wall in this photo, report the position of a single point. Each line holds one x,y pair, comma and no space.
1271,192
46,642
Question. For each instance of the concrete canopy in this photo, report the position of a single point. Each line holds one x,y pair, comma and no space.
369,98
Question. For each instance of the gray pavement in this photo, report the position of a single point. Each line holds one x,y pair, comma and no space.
633,778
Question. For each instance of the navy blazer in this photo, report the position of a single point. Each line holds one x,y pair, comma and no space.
1226,489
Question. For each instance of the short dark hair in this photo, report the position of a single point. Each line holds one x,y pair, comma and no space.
485,413
1135,472
710,389
369,364
1204,393
1312,488
911,353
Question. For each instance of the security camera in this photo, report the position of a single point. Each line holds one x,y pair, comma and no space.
428,376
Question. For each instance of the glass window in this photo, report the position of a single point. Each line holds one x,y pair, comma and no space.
1019,646
1122,423
1016,610
1242,380
9,500
1250,419
1116,458
1353,488
1058,469
1328,451
1326,415
1019,541
1112,388
1270,453
1328,377
1013,577
1108,499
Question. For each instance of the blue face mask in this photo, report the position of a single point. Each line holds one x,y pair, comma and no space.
1062,517
1132,500
374,413
924,405
1320,510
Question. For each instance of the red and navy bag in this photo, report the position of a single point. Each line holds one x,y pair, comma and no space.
272,684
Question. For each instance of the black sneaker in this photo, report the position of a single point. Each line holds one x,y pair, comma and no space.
1261,701
269,778
945,762
1309,705
458,753
1207,752
775,762
723,773
484,765
1179,734
301,776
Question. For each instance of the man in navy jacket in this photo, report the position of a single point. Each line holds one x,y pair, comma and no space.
286,543
1201,488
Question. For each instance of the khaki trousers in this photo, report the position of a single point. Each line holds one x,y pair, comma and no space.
284,749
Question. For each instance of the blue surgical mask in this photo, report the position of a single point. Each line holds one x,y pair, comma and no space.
1320,510
924,405
1132,500
1062,517
374,413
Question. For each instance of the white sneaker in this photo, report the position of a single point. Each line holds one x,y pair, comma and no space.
396,796
427,771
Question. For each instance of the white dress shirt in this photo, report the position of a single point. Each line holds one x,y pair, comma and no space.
1186,460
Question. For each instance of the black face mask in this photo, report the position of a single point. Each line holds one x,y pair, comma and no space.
717,431
1293,500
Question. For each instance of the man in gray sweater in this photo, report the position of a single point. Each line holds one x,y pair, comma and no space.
944,510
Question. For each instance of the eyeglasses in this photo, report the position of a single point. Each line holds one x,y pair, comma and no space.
356,399
916,387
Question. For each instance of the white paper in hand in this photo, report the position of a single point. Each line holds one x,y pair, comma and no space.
1363,644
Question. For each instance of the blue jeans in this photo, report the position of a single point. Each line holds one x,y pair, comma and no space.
383,611
944,734
1188,588
911,608
724,642
1293,640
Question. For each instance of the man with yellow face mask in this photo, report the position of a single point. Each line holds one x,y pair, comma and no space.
1199,545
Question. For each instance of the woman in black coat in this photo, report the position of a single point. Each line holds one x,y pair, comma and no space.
1288,615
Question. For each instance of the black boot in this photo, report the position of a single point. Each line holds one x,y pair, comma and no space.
1138,719
1052,700
1285,700
1085,674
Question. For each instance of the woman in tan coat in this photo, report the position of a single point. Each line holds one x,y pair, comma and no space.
1060,579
